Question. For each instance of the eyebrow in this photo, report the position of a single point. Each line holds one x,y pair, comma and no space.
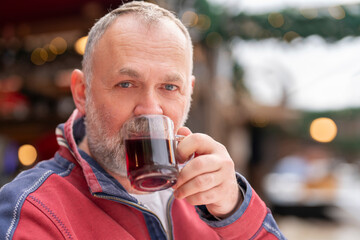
129,72
174,77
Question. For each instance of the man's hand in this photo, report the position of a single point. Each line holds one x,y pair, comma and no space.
209,178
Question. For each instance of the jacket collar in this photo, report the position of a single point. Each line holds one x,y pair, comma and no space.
69,135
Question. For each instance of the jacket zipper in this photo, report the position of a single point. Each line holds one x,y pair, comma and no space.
143,209
168,214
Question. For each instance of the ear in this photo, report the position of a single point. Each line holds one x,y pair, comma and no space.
192,79
78,89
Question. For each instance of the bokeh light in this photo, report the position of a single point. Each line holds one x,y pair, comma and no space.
276,20
27,154
80,45
291,35
53,49
190,18
309,13
203,23
337,12
58,45
50,54
39,56
323,130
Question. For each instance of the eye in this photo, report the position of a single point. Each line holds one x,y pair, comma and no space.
170,87
125,85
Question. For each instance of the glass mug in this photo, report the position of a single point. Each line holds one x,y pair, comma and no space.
150,145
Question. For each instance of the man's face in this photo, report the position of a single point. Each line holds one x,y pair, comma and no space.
137,69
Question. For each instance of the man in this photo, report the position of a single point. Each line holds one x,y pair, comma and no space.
138,60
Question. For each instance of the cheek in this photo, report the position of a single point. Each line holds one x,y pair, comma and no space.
115,119
176,112
112,109
109,118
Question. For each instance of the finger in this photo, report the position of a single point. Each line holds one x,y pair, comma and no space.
200,183
197,166
210,196
197,143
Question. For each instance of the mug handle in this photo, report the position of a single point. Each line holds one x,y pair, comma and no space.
179,138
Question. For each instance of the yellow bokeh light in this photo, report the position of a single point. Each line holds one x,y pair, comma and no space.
39,56
337,12
203,22
189,18
50,54
58,45
309,13
323,130
276,20
289,36
27,154
80,45
53,49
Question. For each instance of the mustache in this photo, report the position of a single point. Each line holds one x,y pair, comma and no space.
145,127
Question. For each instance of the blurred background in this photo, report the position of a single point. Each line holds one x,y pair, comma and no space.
277,83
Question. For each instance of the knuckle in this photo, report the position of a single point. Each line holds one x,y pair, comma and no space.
201,137
197,136
221,146
229,163
199,182
199,164
221,149
202,181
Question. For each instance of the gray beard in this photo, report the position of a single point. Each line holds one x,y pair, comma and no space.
107,150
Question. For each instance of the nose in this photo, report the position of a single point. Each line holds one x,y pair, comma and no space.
148,103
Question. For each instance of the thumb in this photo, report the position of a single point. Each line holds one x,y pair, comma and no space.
184,131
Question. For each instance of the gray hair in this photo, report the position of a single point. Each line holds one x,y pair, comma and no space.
150,13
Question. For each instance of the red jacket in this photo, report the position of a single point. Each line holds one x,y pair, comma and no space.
72,197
